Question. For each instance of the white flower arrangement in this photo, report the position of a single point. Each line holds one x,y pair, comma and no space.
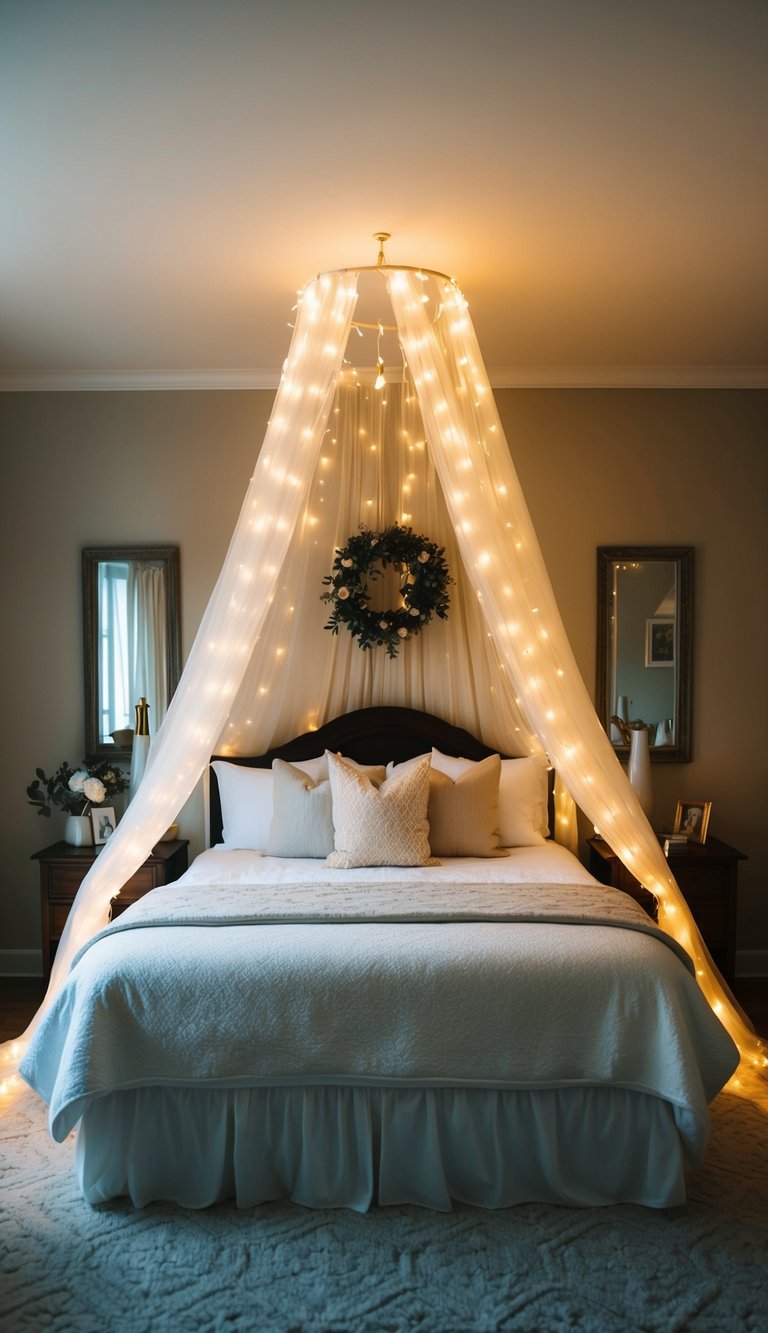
76,790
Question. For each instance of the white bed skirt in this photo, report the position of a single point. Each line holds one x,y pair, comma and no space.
351,1147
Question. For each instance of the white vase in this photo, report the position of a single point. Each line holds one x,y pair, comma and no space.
78,831
138,763
639,769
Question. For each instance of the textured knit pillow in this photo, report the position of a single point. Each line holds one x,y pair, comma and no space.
384,826
302,823
464,814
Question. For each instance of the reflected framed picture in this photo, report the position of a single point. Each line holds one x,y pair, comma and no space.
104,822
692,819
660,642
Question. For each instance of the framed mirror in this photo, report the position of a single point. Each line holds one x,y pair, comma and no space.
131,641
644,642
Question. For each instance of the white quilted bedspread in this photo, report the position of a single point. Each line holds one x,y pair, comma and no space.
381,983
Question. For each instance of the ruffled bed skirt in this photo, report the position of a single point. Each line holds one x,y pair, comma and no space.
351,1147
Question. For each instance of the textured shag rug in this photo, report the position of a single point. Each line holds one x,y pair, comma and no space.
65,1266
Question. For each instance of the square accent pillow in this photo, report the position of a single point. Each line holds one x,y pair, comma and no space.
463,813
302,823
523,796
379,826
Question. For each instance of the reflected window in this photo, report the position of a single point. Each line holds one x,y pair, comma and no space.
114,700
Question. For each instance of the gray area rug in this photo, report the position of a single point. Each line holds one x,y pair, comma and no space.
65,1266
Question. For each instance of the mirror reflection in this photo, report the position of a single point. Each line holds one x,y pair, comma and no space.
644,640
131,629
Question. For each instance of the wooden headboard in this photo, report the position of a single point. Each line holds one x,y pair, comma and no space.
371,736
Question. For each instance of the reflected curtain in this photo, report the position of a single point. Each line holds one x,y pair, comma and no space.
147,626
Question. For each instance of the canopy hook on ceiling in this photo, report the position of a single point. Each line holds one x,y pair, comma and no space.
381,237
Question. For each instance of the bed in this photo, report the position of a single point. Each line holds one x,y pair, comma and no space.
494,1029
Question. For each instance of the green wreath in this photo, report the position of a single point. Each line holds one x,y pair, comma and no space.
423,587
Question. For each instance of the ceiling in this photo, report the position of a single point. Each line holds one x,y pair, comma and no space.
593,172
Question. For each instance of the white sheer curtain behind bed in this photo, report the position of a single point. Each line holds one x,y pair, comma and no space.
374,469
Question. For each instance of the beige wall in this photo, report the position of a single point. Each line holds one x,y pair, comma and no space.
598,468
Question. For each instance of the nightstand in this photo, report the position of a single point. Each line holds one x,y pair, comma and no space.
707,876
63,869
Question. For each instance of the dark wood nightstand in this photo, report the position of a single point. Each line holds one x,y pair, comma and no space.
707,876
63,869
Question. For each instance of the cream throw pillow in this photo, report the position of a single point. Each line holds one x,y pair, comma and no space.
523,796
384,826
302,822
464,815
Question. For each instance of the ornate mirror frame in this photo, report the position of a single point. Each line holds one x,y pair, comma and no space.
92,556
682,557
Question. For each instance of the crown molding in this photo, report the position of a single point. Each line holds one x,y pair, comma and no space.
516,377
140,381
629,377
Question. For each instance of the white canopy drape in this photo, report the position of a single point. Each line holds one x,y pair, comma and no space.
431,454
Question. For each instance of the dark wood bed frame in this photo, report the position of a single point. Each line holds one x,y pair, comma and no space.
371,736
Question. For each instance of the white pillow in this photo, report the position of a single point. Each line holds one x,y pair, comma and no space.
379,826
523,796
246,804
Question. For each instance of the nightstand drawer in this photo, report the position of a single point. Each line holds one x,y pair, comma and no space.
144,880
58,917
63,882
712,919
701,882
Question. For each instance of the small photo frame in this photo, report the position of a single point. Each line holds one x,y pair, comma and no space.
692,819
104,823
660,641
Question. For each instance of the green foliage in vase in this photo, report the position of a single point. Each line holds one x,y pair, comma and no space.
75,790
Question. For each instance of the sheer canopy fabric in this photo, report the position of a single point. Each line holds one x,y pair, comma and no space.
430,453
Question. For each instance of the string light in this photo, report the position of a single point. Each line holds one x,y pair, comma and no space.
380,381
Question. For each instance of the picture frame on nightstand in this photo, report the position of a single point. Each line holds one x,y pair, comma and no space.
692,819
104,822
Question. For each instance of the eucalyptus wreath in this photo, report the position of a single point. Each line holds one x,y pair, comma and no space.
423,588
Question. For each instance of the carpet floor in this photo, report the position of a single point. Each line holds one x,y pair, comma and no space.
65,1266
